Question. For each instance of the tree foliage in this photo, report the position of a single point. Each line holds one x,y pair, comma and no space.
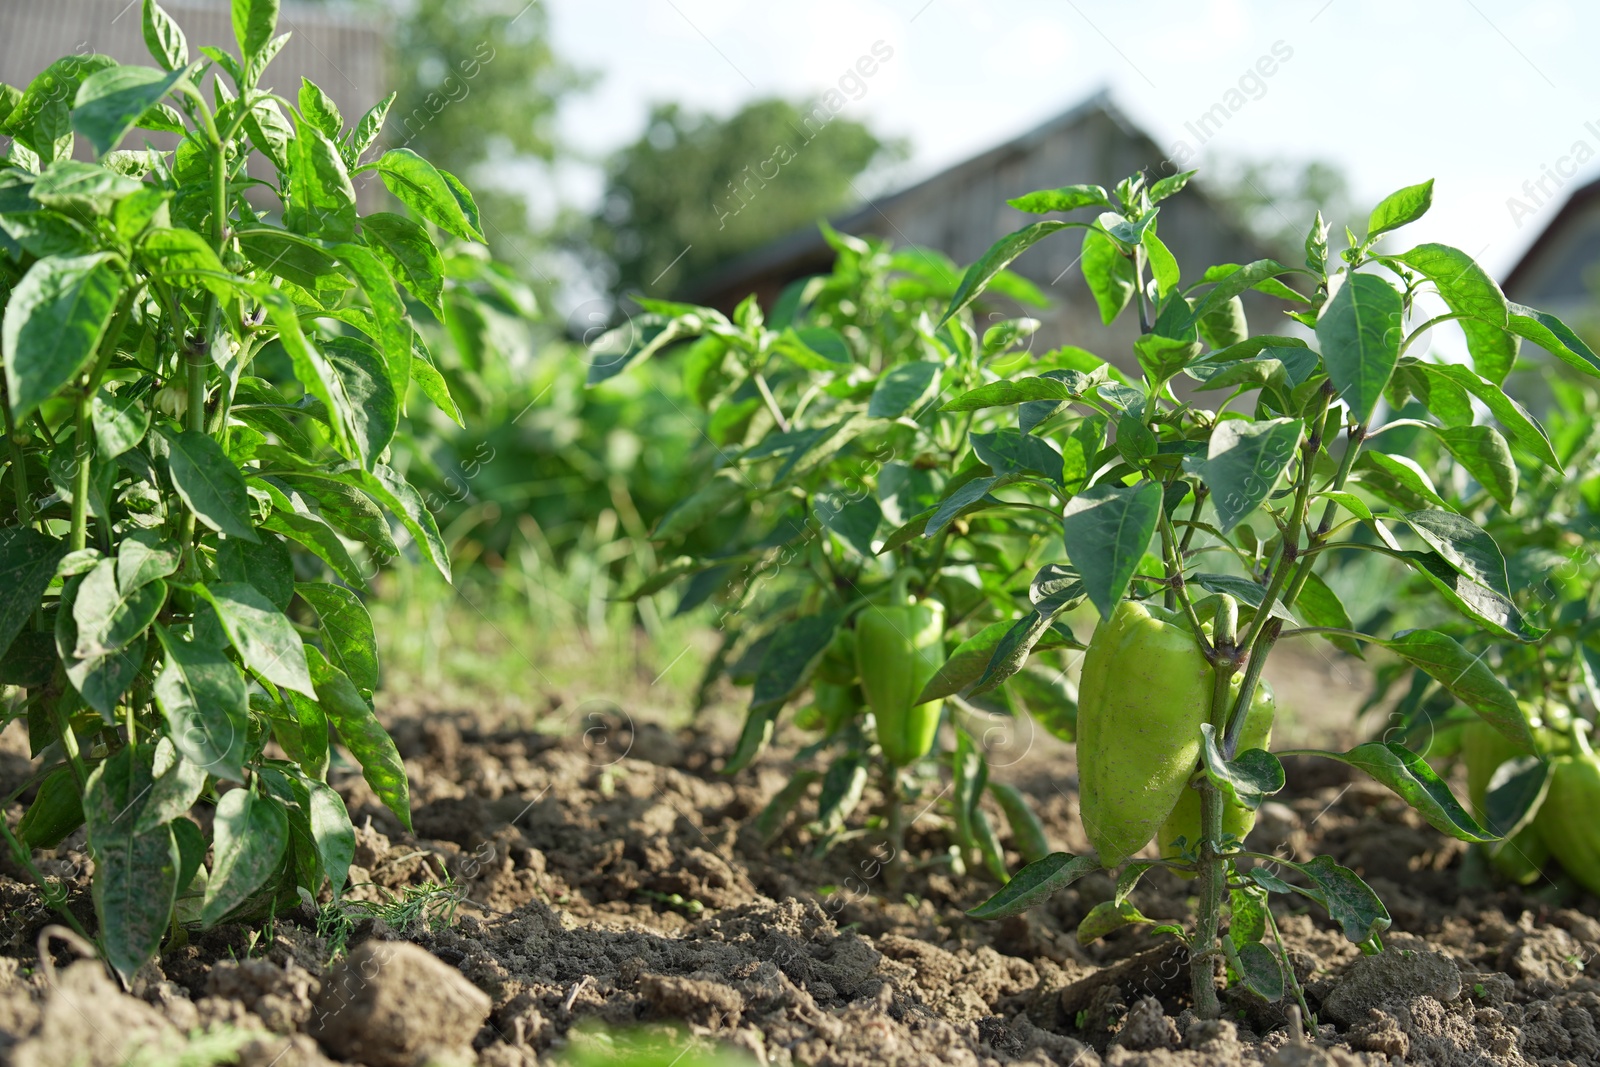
695,191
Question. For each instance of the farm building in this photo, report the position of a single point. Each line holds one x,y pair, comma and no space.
343,52
961,211
1561,268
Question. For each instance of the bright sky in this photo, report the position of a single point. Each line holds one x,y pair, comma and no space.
1483,95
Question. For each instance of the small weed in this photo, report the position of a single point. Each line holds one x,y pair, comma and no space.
432,905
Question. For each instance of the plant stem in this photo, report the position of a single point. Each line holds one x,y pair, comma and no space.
82,452
895,820
19,469
55,896
1213,870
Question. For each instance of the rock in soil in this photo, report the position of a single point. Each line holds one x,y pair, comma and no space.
390,1004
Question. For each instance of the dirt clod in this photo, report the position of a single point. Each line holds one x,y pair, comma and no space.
390,1004
1408,968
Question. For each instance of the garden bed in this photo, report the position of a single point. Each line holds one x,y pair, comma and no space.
615,879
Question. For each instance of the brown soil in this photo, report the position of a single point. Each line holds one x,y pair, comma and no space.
614,880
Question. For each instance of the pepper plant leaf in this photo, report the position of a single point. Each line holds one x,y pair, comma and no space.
1107,530
1035,883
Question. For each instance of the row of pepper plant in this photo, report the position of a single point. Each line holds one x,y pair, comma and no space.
1170,698
1551,541
821,542
1200,536
207,350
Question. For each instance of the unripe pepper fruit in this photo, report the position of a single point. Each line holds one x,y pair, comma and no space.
1145,691
1237,819
899,647
1566,821
1483,750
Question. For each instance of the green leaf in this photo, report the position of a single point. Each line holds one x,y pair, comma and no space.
56,811
54,320
1517,790
1107,530
28,562
995,260
1109,274
347,634
1008,393
365,135
268,566
395,493
313,533
1248,778
1247,592
110,102
1520,427
1066,198
163,37
1409,775
1350,901
1035,883
1261,971
1476,601
433,384
1106,917
1169,185
388,320
178,784
322,202
966,664
702,505
1555,337
331,829
1464,544
50,90
420,186
363,735
209,483
1011,652
317,108
202,696
796,648
409,254
135,875
1399,208
1235,282
262,635
100,680
1247,915
1163,265
759,721
1319,605
1398,480
903,388
109,617
1010,451
638,339
1243,463
1467,678
362,377
1461,282
1360,329
249,838
1486,456
855,521
253,24
120,421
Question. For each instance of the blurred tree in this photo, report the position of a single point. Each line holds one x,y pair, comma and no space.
1276,199
479,85
695,190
